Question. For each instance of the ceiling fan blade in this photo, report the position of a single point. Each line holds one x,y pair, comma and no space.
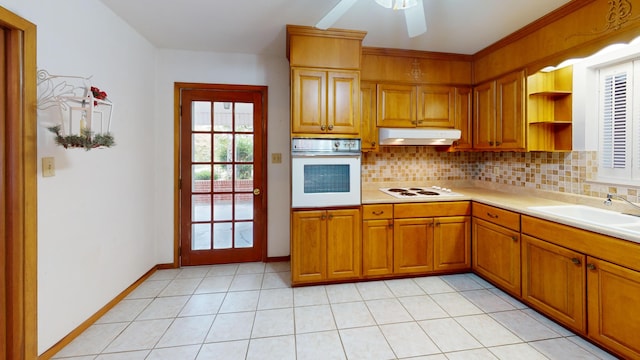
335,14
416,21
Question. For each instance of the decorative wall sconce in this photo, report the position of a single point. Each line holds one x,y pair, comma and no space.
82,113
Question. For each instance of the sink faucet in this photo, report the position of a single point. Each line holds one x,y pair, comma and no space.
611,196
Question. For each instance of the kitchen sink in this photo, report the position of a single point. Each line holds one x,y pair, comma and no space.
592,215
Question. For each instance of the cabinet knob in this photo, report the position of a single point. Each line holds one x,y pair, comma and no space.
514,238
490,143
498,143
330,217
330,127
323,217
373,143
323,128
575,261
591,267
391,224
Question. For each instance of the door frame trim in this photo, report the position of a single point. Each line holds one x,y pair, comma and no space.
20,187
179,86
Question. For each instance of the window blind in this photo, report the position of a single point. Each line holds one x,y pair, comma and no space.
614,125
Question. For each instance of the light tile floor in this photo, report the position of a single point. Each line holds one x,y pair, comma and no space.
249,311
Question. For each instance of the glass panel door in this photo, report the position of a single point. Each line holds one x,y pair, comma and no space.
224,132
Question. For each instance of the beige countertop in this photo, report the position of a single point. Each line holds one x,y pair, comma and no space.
514,201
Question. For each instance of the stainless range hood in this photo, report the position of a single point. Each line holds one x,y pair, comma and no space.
418,136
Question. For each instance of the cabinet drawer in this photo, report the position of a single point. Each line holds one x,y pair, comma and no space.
377,211
498,216
432,209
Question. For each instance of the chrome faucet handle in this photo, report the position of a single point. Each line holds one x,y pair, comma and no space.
611,196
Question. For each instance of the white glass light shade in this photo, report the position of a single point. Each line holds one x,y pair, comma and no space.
404,4
385,3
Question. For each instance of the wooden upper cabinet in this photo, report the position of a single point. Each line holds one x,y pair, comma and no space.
343,102
484,111
396,105
325,81
510,129
416,106
369,129
325,102
308,100
436,106
463,118
499,122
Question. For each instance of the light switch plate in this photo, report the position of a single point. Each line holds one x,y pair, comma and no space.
48,166
276,158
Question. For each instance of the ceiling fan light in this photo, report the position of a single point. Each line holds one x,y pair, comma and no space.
385,3
404,4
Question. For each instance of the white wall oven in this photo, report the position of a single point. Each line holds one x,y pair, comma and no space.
325,172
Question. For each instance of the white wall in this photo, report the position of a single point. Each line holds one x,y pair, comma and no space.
95,217
219,68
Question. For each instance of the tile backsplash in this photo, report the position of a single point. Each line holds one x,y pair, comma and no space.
564,172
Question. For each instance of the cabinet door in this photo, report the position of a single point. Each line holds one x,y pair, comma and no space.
343,104
463,117
613,311
412,245
510,112
484,116
396,105
496,254
308,101
436,106
553,281
377,247
452,237
369,132
308,246
344,246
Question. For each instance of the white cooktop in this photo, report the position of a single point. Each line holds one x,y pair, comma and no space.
419,192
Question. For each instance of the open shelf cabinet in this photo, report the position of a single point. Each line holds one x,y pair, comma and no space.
549,110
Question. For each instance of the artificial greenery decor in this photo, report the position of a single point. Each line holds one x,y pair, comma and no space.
85,140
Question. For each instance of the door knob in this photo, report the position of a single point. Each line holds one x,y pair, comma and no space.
256,191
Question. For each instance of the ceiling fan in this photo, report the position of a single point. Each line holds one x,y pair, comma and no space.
413,14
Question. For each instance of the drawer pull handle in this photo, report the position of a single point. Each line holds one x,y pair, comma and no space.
591,267
378,213
492,215
575,261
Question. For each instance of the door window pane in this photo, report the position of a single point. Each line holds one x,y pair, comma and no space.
201,179
223,147
244,235
222,116
244,172
244,148
222,207
201,207
244,117
222,236
201,237
244,206
222,178
201,147
201,115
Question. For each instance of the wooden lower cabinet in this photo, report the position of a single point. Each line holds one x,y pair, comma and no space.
377,248
452,243
496,254
613,294
413,245
325,245
553,282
